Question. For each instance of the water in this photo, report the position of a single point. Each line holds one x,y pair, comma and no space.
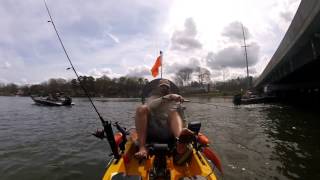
253,142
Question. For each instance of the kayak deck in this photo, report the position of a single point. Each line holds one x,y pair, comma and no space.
130,166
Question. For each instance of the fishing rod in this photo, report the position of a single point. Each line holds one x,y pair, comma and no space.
107,125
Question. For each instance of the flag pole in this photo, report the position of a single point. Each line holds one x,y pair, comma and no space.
161,63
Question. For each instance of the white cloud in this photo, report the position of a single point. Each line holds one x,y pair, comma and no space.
6,65
185,40
139,71
114,38
102,72
92,32
234,31
190,63
4,81
233,57
24,81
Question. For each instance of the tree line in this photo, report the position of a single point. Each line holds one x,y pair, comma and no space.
96,87
234,86
190,76
190,80
198,80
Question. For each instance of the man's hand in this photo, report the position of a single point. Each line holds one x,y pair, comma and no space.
174,97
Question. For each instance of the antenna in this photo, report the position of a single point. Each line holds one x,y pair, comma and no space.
246,54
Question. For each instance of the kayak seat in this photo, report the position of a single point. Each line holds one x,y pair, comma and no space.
158,149
122,176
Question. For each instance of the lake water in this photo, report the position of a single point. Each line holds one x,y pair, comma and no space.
253,141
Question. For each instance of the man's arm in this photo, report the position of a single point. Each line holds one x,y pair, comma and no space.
155,103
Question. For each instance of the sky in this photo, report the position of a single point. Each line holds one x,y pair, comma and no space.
123,38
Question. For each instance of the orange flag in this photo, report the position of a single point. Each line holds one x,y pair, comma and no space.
155,67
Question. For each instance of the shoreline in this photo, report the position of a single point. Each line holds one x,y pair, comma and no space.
219,95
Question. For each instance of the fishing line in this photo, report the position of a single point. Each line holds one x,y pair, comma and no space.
106,124
74,70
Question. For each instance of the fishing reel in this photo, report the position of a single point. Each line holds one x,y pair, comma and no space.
100,133
119,138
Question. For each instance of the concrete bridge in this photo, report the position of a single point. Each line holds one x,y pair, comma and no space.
294,69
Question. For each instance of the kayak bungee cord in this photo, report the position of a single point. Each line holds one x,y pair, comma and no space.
107,125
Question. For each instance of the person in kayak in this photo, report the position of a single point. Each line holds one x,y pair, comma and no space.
159,120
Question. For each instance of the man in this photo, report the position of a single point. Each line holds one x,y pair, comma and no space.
159,120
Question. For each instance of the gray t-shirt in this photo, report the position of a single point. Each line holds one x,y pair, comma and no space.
158,125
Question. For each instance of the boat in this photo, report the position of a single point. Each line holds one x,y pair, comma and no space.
49,101
253,99
200,162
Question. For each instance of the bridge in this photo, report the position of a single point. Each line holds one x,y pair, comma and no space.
294,69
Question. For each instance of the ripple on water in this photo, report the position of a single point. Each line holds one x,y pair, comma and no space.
253,142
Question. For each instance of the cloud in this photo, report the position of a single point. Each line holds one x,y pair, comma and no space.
91,32
3,81
185,40
216,74
139,71
102,72
6,65
282,14
233,57
175,67
108,34
233,31
287,16
114,38
24,81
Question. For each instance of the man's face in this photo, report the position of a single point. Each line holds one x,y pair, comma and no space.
164,90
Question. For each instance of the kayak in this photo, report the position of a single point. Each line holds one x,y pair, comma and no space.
160,163
163,162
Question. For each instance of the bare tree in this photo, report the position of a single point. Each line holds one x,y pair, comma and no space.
178,81
184,75
203,75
